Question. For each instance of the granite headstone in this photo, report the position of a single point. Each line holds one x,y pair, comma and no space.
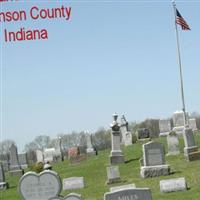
33,186
129,194
154,160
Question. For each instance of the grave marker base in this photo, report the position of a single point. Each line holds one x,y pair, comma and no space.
3,185
18,172
153,171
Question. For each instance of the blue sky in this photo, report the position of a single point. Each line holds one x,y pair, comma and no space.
112,56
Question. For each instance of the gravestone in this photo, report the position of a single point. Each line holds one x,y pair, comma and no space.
23,160
122,187
193,124
154,160
173,185
113,174
15,168
143,133
126,134
116,155
33,186
73,183
39,156
164,127
129,194
31,157
90,149
49,154
74,155
173,143
3,184
179,122
190,150
71,196
5,164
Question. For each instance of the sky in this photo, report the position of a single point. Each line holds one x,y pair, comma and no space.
111,56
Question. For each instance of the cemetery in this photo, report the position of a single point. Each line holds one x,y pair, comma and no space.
151,168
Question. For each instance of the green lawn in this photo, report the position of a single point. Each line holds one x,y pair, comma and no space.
94,172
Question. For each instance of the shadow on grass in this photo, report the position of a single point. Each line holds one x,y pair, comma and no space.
175,172
131,160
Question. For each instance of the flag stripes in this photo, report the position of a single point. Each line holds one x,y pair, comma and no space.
180,20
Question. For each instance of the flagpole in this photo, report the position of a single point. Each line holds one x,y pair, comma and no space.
180,66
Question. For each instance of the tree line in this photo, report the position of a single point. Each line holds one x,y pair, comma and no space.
101,138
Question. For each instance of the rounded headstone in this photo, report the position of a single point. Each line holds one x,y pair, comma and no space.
33,186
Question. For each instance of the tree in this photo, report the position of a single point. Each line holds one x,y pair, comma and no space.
5,148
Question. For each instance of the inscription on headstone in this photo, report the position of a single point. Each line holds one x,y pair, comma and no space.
173,185
129,194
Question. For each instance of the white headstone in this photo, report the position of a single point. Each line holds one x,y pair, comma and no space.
164,126
173,185
73,183
39,156
173,144
49,154
90,149
126,134
193,124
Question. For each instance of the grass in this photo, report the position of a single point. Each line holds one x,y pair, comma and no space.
94,172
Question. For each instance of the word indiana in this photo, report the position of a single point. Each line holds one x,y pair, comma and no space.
23,34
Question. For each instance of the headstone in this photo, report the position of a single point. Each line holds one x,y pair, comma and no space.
173,185
179,122
23,160
31,157
122,187
164,126
190,150
71,196
173,143
126,134
5,164
39,156
129,194
3,184
90,149
73,183
193,124
143,133
49,154
33,186
116,155
113,174
15,168
73,152
74,156
154,160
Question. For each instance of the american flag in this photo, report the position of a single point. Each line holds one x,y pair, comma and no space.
181,21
